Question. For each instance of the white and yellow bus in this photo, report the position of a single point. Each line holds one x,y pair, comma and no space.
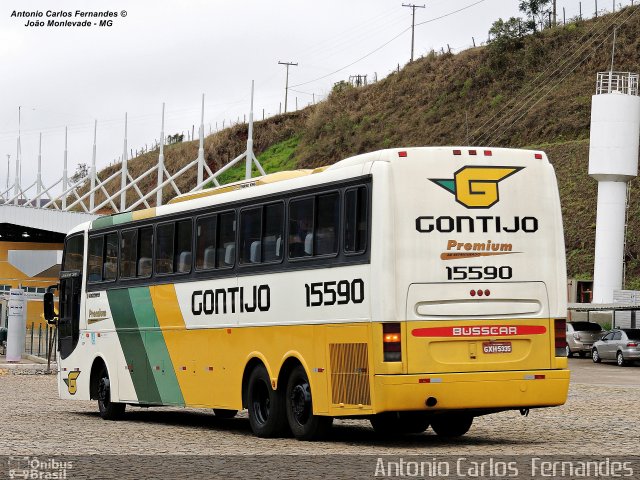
415,287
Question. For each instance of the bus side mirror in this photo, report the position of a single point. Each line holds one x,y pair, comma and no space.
49,312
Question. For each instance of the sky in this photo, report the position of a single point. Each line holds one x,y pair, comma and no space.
175,51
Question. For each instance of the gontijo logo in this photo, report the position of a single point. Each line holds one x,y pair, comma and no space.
476,187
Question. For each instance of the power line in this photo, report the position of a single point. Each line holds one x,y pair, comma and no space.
386,43
546,77
552,87
450,13
413,22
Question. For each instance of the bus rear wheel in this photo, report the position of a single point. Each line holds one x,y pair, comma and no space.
399,423
266,406
451,425
108,410
303,423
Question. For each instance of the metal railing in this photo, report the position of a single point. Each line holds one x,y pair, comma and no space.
617,82
38,341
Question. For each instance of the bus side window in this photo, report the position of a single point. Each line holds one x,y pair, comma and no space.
301,228
226,243
272,244
128,253
164,248
94,262
111,257
355,218
250,235
327,224
145,252
206,242
73,253
183,246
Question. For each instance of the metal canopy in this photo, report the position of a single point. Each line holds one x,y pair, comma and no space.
601,307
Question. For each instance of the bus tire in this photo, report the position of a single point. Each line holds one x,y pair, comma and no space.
303,423
224,413
399,423
266,406
451,425
108,410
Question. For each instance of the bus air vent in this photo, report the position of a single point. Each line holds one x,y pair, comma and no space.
349,373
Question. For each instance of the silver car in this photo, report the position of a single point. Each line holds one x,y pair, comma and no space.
580,337
620,344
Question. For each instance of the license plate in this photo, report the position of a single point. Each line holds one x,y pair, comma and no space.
496,347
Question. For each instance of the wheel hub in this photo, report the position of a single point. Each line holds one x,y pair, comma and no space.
301,402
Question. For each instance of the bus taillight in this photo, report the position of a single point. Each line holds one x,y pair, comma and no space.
391,342
560,327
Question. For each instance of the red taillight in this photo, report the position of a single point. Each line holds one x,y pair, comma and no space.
632,344
472,152
457,152
538,156
560,327
391,342
487,153
402,154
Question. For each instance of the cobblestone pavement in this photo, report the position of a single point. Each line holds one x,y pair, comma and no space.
598,418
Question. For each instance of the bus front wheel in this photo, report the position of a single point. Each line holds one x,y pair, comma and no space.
224,414
303,423
108,410
451,425
266,406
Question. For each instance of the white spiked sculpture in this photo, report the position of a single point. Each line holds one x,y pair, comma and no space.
613,161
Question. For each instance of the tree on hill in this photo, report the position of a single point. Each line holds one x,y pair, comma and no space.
535,12
507,34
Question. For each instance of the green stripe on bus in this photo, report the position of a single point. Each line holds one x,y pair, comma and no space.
102,222
132,342
122,218
162,372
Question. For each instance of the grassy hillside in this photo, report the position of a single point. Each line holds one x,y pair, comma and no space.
530,92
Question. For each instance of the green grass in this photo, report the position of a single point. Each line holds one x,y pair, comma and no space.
276,158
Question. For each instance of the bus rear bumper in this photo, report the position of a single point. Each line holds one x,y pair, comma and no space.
464,391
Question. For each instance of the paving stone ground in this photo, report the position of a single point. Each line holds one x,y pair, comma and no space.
601,417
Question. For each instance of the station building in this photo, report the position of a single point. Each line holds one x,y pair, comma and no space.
31,241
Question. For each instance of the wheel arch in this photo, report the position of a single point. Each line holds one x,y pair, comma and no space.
97,365
253,360
290,361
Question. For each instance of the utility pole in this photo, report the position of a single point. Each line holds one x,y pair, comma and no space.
8,168
554,13
413,21
286,88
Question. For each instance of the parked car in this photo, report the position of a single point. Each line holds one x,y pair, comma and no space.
620,344
580,337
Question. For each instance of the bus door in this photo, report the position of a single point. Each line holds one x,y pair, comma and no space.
69,317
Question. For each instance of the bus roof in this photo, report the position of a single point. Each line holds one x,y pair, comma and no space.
388,155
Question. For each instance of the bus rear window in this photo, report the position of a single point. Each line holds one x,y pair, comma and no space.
73,251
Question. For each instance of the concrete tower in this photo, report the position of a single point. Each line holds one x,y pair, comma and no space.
613,161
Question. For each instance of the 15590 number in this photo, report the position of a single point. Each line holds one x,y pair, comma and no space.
479,273
334,293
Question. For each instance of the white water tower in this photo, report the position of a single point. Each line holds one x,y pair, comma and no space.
613,161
